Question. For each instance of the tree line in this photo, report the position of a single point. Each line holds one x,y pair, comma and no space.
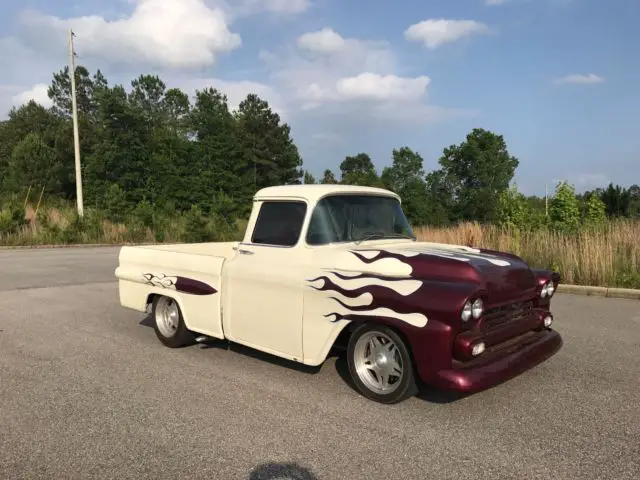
153,149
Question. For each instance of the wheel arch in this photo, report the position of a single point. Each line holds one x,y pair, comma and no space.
164,293
342,339
409,382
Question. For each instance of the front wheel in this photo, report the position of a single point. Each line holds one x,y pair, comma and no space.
380,364
169,324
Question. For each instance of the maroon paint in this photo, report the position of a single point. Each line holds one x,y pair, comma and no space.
512,328
496,366
182,284
194,287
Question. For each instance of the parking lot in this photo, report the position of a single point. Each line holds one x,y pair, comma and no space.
87,391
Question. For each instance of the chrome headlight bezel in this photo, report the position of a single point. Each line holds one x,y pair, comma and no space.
544,292
473,308
548,289
466,313
477,308
551,289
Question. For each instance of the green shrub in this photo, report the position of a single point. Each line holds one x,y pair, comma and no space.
564,211
12,218
196,226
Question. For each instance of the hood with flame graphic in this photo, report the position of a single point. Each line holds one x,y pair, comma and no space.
404,282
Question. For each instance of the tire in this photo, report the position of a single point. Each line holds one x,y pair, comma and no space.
168,323
389,359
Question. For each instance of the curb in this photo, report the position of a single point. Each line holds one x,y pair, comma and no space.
627,293
71,245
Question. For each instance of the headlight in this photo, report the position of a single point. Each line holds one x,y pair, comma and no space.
544,292
477,308
466,312
478,348
550,289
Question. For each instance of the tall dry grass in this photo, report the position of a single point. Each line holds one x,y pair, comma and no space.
56,225
59,224
605,256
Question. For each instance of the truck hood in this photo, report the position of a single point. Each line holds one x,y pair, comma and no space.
502,275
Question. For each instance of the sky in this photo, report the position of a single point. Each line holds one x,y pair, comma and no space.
557,78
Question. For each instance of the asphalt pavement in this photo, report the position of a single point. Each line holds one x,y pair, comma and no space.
87,391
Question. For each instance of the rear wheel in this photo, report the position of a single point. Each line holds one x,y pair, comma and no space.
380,364
169,324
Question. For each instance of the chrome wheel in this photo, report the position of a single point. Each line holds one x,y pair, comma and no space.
167,316
378,362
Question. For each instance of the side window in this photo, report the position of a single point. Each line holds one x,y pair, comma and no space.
279,223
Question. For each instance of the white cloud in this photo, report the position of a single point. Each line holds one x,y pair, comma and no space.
589,180
38,93
274,6
436,32
6,94
552,3
324,138
236,91
321,41
366,87
382,87
168,33
579,79
329,76
311,78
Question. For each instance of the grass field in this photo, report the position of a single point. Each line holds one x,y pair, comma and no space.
608,256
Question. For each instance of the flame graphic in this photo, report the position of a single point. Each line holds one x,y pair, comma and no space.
181,284
359,296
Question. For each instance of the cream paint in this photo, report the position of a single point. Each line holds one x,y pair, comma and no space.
319,328
346,260
345,273
262,299
361,300
415,319
403,287
201,313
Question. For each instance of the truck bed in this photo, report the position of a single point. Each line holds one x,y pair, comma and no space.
189,273
213,249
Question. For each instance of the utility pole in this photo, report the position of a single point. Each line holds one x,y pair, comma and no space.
76,139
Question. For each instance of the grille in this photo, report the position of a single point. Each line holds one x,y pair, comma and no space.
507,314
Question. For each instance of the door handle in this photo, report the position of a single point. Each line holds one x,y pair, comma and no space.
245,252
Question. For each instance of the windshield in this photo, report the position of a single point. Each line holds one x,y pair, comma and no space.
352,218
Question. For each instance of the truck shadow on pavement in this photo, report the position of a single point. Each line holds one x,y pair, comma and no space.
281,471
426,393
246,351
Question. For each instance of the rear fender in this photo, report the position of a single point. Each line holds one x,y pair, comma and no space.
164,293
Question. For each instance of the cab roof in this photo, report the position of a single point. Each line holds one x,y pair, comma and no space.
312,193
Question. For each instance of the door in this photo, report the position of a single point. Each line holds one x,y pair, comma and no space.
263,300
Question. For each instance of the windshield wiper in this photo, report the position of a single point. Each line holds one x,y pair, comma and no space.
371,236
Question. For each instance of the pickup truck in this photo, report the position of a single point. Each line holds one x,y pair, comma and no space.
323,266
